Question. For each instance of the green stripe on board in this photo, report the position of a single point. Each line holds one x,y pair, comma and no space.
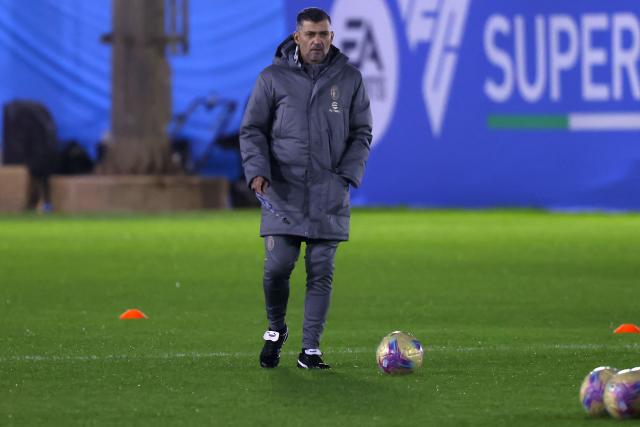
509,121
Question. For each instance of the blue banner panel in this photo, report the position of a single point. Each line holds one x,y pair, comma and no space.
497,103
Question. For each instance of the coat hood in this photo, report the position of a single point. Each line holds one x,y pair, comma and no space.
286,54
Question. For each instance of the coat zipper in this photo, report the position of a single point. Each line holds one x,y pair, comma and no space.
306,174
330,150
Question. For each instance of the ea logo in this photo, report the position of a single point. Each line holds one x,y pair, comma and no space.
364,32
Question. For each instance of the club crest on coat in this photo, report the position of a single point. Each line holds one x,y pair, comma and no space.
335,95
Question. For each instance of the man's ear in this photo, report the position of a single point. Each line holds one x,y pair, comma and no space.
296,37
331,37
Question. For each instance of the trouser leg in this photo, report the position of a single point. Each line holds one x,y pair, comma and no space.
281,254
319,258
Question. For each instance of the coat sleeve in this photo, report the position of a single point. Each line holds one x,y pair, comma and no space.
255,132
353,161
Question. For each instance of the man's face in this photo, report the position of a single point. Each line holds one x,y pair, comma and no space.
314,40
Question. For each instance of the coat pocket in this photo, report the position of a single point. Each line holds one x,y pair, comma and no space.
330,150
338,195
282,116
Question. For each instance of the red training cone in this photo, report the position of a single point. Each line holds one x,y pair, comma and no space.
133,313
627,328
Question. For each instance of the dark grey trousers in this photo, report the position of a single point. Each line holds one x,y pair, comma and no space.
281,254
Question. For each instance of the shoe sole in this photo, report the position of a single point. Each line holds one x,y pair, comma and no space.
303,366
267,366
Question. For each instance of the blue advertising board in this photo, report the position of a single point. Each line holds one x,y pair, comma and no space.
496,103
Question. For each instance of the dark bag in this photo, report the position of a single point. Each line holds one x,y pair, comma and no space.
29,137
74,159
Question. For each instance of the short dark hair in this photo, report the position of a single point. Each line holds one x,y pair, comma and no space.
313,14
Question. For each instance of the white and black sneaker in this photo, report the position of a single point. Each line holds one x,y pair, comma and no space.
273,342
310,358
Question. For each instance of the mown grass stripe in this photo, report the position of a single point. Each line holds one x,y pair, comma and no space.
362,350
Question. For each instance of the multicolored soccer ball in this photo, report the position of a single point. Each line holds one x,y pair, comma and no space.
592,390
399,353
622,394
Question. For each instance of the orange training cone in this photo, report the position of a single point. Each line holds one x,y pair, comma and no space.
627,328
133,313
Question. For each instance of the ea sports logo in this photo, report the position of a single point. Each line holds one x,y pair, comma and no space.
364,32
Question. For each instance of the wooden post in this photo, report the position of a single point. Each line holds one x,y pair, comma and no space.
141,90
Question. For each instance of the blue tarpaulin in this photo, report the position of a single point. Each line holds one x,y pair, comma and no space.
50,51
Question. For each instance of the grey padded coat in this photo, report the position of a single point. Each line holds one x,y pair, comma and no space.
310,140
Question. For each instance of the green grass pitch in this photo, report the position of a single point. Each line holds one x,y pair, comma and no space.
513,308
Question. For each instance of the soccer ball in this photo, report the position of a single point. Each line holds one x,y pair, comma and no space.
592,390
399,353
622,394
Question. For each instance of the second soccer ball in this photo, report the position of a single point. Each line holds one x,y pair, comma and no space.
592,390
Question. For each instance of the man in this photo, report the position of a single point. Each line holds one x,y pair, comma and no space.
304,140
